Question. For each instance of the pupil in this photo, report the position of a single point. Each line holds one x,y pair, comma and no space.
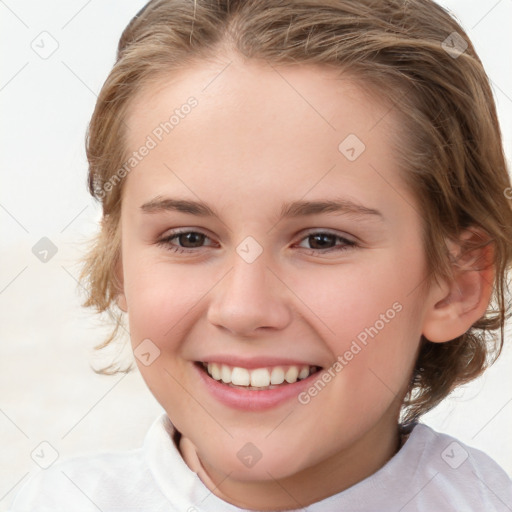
324,238
191,238
319,240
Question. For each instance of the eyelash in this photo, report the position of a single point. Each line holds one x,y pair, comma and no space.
166,242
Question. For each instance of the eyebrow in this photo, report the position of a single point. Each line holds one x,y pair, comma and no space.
288,210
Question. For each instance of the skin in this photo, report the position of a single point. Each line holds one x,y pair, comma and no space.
253,143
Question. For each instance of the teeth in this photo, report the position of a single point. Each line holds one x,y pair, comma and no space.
291,374
214,370
240,376
258,377
304,372
225,374
277,375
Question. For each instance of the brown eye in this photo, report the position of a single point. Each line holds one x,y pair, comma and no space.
190,239
184,241
323,242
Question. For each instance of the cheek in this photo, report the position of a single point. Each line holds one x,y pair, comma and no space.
353,301
371,323
161,298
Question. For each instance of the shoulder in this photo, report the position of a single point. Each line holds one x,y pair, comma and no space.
459,475
108,481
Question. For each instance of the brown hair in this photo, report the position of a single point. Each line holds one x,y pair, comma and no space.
411,54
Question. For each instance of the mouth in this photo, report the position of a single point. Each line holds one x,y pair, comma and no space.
257,379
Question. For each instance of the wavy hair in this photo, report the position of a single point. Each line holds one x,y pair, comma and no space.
411,54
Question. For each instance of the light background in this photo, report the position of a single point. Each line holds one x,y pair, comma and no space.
48,391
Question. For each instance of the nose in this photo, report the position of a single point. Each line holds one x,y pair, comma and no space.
250,298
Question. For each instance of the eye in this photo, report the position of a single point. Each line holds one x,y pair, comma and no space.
323,242
191,241
188,241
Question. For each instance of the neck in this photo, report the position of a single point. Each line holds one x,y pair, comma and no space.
330,476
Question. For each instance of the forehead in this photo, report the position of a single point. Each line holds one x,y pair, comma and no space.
229,90
253,123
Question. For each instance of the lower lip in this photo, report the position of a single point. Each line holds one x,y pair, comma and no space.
253,400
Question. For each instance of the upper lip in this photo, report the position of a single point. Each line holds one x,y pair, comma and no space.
255,362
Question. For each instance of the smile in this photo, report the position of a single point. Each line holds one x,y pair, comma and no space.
258,378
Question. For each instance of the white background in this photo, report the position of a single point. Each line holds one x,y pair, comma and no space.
48,391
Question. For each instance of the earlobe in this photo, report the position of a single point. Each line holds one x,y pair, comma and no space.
457,305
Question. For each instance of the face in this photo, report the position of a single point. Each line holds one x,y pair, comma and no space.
308,255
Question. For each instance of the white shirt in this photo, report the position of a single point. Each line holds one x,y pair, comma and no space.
432,472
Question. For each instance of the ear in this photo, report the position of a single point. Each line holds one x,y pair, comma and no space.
118,279
456,305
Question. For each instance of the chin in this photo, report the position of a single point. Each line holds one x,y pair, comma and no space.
250,464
